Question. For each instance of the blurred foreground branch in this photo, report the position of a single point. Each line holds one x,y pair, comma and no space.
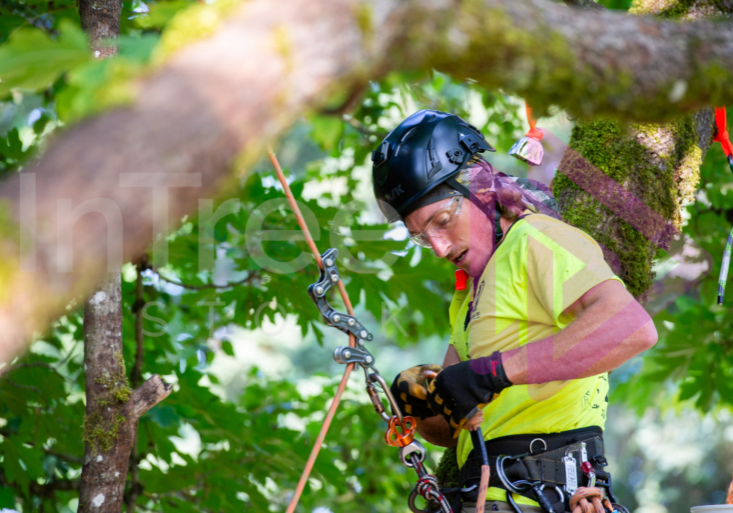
216,103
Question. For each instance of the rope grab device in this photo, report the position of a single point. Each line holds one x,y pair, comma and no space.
400,428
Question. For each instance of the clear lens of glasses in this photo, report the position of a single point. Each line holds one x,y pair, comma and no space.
439,223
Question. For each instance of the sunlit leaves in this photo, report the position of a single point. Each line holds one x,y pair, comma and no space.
32,60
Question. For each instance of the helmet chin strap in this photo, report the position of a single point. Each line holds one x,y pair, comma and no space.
498,233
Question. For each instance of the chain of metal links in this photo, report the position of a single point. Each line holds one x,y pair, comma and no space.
400,429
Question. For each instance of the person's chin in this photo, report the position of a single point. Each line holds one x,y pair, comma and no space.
463,263
475,267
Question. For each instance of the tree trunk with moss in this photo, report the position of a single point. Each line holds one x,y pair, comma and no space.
101,20
658,164
113,409
107,434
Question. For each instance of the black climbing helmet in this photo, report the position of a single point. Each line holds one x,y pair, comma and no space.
425,150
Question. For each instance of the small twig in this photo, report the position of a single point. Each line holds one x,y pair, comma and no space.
27,387
150,393
71,353
249,277
65,457
361,127
349,103
136,376
38,364
68,457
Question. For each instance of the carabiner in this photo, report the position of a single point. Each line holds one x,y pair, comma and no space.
502,476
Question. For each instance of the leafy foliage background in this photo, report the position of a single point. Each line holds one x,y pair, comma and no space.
234,436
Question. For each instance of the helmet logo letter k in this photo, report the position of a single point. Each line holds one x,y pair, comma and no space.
394,193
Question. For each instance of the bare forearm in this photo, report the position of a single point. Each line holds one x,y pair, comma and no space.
604,336
436,431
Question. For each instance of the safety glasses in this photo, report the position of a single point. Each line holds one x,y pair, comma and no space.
439,223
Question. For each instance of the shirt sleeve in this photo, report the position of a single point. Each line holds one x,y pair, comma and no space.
563,264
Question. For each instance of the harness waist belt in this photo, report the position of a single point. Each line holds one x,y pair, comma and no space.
538,457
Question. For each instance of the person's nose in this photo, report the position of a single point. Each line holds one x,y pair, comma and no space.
441,246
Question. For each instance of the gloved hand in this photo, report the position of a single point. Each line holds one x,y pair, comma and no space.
457,390
410,393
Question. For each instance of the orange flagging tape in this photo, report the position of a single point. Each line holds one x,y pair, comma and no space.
721,135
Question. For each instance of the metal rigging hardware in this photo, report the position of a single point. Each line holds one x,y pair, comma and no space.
401,429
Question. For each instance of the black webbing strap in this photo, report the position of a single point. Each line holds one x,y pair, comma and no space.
541,458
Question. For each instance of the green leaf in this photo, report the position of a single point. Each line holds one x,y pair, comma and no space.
12,146
139,48
31,60
160,14
326,131
8,23
7,498
226,346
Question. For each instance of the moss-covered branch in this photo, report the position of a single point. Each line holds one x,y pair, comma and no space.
213,106
592,62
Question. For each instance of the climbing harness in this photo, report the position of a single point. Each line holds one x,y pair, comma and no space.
401,429
550,469
529,148
721,136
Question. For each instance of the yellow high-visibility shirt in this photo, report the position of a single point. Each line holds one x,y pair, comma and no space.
541,267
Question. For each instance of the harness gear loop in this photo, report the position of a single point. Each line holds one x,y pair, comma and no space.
427,488
590,500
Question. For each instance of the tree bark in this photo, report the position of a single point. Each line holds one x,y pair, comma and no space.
112,408
101,21
216,104
108,420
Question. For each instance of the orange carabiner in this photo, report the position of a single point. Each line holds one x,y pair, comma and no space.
394,437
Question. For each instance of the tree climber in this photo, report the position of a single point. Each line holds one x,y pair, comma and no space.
535,331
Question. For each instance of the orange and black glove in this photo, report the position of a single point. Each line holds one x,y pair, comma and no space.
410,392
461,388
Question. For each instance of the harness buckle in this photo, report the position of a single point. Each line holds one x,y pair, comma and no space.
571,474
